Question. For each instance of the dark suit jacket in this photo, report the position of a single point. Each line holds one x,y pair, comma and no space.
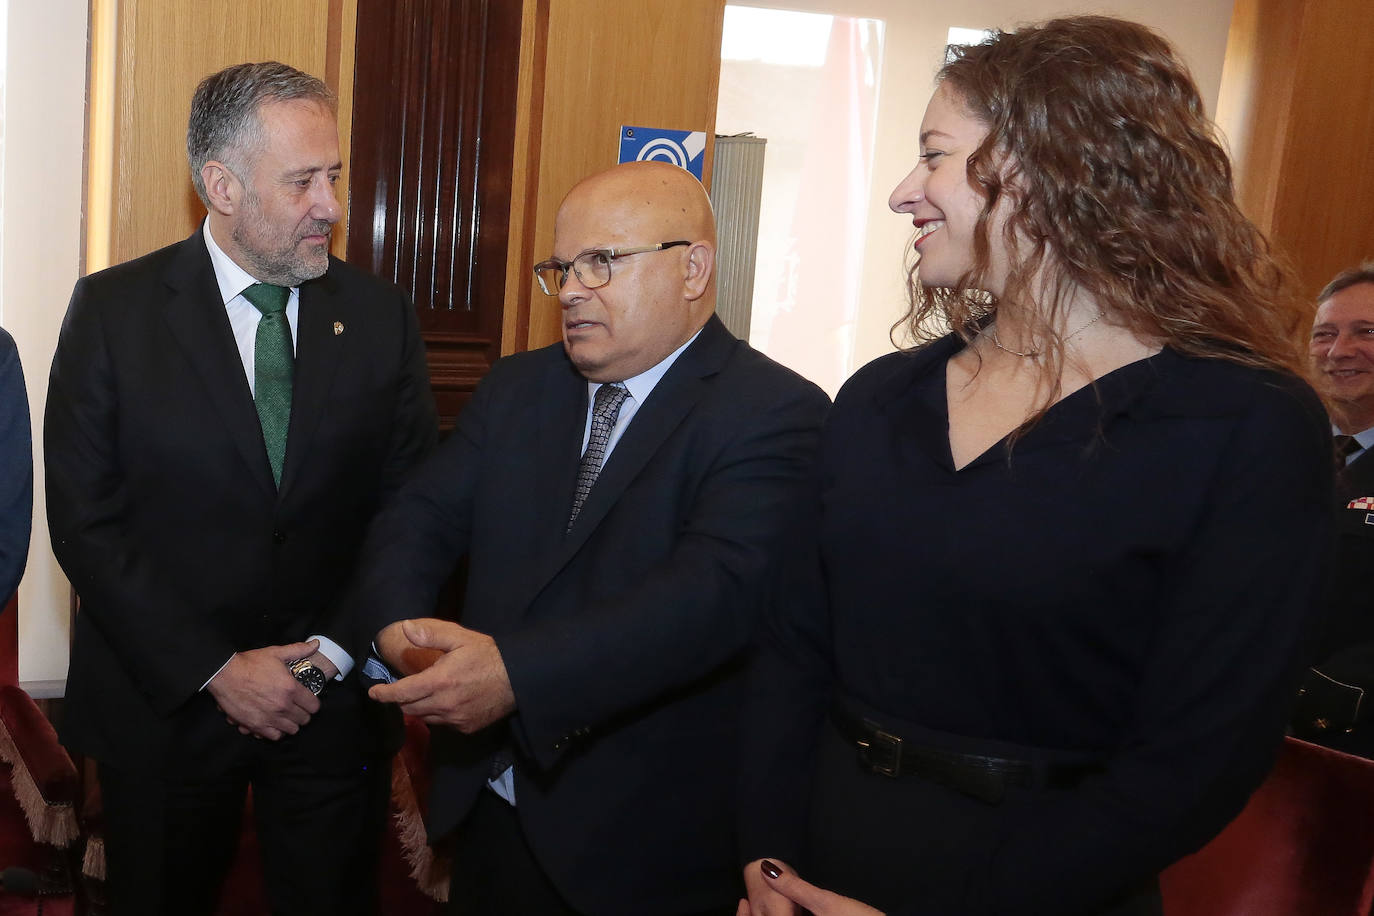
164,514
623,638
1346,649
16,469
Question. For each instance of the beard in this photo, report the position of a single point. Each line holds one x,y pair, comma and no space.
276,257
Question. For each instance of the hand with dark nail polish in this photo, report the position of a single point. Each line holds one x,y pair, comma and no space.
784,893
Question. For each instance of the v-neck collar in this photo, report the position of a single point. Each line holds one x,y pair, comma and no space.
1083,415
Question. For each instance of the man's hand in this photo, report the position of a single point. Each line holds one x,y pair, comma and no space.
775,890
467,688
258,694
402,655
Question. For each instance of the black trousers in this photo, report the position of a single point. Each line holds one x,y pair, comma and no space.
496,874
169,843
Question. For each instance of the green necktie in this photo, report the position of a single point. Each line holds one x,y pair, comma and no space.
273,361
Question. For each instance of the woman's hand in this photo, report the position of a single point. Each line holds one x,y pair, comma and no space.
764,899
775,890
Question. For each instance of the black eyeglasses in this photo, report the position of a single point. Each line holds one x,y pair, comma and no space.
593,267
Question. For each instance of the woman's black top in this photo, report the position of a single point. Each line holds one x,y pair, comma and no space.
1133,579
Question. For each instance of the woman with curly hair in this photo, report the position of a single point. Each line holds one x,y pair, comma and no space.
1038,641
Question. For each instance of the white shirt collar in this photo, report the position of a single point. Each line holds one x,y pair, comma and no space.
640,386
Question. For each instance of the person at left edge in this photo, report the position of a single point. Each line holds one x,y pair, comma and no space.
16,469
207,552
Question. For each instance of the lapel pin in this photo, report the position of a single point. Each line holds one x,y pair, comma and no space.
338,328
1364,502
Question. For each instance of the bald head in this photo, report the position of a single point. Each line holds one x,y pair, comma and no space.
645,197
655,300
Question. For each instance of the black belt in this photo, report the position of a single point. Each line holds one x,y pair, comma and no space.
980,777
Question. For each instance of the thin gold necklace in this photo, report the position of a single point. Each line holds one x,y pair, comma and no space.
1031,354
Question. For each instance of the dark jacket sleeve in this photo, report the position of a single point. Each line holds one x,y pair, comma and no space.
16,469
421,532
790,688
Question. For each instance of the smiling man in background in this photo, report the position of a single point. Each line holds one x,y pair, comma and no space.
224,417
1336,707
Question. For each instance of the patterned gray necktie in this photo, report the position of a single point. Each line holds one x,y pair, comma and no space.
605,409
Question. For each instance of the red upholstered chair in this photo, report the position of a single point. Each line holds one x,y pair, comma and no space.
1303,846
38,827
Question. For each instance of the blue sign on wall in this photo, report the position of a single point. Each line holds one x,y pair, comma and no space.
683,148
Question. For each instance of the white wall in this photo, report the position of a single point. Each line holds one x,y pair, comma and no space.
916,34
45,108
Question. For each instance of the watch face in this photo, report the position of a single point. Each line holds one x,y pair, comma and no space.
309,675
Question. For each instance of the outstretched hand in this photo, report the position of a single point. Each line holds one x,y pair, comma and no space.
466,688
258,694
775,890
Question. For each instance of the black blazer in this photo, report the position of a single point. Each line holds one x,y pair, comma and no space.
623,637
163,511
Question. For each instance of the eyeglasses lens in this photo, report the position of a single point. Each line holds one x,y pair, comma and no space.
550,278
593,269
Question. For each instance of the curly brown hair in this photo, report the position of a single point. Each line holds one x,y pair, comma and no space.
1115,183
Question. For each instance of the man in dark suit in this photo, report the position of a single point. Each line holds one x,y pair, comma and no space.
1336,706
16,469
618,497
225,415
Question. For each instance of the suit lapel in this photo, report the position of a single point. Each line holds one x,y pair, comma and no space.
195,313
322,340
562,418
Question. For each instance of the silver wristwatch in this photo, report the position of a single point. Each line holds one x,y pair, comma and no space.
308,674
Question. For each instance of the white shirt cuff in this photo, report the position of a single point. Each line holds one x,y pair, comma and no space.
341,659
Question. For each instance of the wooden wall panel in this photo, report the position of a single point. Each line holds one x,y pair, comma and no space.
156,52
1324,211
1297,103
435,113
599,64
1253,107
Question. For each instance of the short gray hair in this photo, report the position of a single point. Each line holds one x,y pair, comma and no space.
224,121
1364,273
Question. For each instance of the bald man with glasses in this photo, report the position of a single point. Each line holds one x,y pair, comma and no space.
619,497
